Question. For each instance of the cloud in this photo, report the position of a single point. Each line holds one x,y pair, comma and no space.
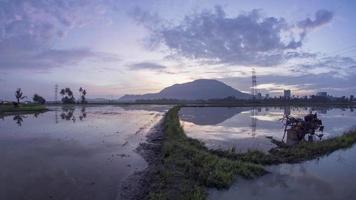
68,56
246,39
299,83
295,54
340,65
29,29
279,88
146,66
43,20
51,58
149,20
321,17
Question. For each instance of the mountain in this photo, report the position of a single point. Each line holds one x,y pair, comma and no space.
199,89
98,100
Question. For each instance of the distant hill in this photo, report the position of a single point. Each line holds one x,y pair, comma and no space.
202,89
98,100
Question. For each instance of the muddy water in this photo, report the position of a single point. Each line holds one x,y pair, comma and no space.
73,153
246,128
330,177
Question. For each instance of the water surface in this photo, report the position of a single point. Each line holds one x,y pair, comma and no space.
245,128
330,177
73,153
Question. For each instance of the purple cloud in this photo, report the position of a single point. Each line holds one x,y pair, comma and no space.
28,29
321,17
146,66
246,39
44,59
329,82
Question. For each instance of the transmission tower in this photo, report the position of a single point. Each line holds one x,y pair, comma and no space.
56,93
254,84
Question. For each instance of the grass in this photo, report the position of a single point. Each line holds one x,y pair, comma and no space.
187,167
22,108
293,154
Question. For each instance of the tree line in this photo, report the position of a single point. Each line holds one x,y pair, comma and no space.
67,97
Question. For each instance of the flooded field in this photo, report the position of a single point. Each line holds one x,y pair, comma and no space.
329,177
246,128
73,153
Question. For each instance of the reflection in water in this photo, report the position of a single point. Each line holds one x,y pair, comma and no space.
18,119
154,108
328,178
83,114
67,113
45,159
56,116
210,115
247,128
253,122
286,110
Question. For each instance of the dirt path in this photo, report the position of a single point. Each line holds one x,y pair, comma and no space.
136,187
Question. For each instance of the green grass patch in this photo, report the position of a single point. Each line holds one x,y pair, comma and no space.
187,167
293,154
22,108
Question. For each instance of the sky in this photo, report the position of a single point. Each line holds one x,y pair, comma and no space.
117,47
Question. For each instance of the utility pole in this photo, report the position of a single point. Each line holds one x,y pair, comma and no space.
56,93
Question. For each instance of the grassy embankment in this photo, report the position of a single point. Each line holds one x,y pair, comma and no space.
294,154
187,167
22,108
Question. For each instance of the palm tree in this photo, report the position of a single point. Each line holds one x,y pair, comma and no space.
83,93
19,95
68,97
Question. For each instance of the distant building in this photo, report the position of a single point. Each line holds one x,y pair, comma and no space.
267,96
322,94
287,94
